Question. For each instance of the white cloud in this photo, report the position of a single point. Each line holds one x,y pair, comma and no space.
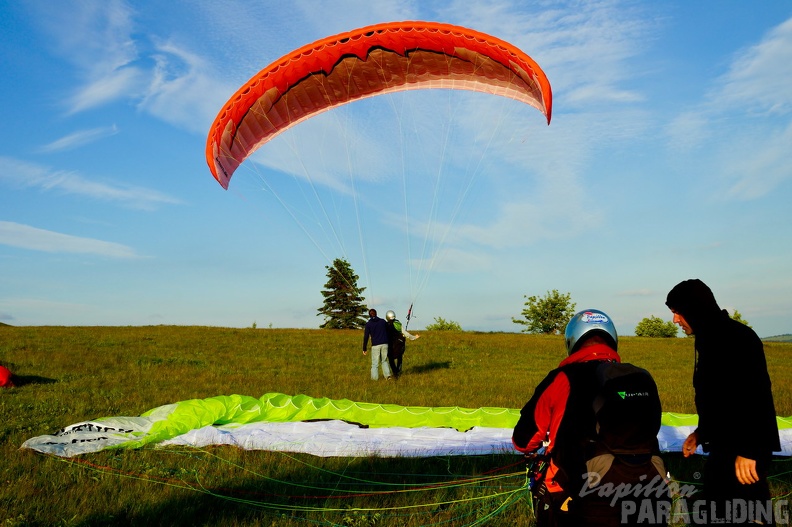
584,47
746,119
757,85
759,163
452,260
102,40
183,89
109,86
21,174
78,139
32,238
760,76
688,130
97,39
523,223
94,34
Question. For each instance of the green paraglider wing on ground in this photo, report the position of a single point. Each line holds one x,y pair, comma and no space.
322,426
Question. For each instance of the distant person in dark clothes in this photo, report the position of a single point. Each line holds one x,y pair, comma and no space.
737,419
397,340
377,330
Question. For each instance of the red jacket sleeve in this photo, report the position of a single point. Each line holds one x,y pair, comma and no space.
540,417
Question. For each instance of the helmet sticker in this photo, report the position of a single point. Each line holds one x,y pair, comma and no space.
594,318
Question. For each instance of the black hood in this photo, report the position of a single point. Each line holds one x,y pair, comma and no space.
695,302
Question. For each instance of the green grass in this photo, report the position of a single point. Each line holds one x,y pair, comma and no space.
72,374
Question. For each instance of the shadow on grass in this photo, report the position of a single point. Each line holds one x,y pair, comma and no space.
22,380
432,366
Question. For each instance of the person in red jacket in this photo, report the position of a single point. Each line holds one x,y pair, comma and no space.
559,414
561,419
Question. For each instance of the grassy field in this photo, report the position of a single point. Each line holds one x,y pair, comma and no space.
72,374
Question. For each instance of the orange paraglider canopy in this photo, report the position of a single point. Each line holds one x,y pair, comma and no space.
362,63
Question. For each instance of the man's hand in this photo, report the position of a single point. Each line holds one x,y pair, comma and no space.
364,352
690,444
746,470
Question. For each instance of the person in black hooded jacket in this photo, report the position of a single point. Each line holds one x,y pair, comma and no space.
737,420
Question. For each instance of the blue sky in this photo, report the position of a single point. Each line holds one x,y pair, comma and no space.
669,156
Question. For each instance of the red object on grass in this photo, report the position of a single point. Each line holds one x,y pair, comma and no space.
5,377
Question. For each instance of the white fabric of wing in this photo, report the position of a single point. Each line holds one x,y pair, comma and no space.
321,438
341,439
91,436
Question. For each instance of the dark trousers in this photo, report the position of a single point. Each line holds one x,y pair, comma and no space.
395,365
729,502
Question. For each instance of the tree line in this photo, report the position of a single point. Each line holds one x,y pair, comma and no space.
344,308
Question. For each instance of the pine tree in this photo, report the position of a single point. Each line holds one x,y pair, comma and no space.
343,303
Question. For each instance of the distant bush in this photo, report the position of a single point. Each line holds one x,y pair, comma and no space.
548,315
441,324
656,327
738,317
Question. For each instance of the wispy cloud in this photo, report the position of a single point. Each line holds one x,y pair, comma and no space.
760,76
97,39
32,238
524,223
115,61
758,164
78,139
22,174
746,115
110,86
452,260
758,82
688,130
183,89
585,48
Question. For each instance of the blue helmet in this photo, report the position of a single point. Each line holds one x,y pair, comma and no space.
587,323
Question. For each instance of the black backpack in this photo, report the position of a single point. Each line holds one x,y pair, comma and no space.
398,341
627,409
